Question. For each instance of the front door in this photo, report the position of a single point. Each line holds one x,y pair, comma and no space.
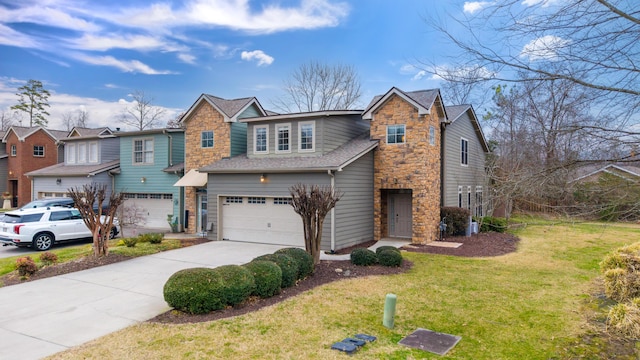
201,215
400,224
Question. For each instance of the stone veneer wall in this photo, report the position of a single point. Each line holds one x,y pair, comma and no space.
413,165
204,118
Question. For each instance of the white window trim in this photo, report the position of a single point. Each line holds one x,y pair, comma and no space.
313,136
212,139
14,150
404,137
133,151
479,200
467,141
469,198
432,135
93,144
460,200
82,153
71,154
278,127
34,151
255,139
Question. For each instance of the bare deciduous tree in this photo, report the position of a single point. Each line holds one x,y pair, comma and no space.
90,201
315,86
7,119
175,123
313,203
131,214
142,114
77,118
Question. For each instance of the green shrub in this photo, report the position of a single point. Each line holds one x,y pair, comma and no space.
304,259
363,257
48,258
385,248
492,224
238,284
153,238
390,258
457,220
130,242
268,277
288,266
194,290
26,266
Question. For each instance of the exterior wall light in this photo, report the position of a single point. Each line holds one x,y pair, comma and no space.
263,178
58,181
143,179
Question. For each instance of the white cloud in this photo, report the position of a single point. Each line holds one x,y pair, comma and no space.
545,3
10,37
544,48
474,6
124,41
257,55
53,15
132,66
187,58
101,113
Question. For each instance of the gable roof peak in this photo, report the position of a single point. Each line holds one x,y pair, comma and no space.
423,100
230,109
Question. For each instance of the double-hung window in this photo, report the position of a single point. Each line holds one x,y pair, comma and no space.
306,136
464,151
283,132
71,153
395,134
206,139
261,139
93,152
14,150
82,153
460,196
479,208
143,151
432,135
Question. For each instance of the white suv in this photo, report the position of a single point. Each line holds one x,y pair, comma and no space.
40,228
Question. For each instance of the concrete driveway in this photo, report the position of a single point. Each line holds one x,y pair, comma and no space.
43,317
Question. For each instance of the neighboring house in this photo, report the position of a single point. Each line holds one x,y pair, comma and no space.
593,172
90,155
4,164
29,149
151,161
464,150
387,160
212,132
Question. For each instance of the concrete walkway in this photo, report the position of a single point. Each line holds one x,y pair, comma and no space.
46,316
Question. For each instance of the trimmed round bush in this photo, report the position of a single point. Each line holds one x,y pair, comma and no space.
193,290
268,277
363,257
304,259
238,283
287,264
386,247
390,258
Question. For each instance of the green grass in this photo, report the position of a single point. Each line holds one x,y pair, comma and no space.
524,305
69,253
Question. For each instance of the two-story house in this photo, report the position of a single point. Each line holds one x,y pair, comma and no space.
29,149
389,161
90,154
151,161
212,132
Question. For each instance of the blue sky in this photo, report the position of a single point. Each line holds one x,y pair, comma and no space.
93,54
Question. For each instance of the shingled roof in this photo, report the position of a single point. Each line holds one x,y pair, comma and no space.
230,109
75,170
423,99
23,132
334,160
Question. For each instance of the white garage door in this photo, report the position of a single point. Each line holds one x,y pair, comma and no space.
153,209
262,220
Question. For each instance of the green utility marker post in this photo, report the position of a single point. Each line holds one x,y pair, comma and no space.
389,310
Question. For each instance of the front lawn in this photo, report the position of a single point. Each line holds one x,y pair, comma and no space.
525,305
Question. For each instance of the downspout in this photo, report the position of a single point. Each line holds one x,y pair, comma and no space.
170,147
333,215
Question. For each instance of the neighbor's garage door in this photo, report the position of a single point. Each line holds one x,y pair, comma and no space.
153,209
262,220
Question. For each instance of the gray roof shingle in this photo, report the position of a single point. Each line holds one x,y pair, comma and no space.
229,107
334,160
75,170
423,97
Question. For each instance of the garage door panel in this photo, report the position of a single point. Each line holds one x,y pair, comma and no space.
262,223
154,211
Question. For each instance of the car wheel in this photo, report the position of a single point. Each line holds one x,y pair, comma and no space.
42,241
113,233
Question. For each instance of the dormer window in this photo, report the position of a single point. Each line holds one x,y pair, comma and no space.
261,139
306,135
71,153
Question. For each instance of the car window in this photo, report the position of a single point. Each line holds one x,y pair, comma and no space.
75,214
31,217
60,215
11,218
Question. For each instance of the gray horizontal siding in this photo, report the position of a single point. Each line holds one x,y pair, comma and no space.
454,173
48,184
354,211
109,149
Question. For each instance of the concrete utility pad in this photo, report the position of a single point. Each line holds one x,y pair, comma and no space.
427,340
447,244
